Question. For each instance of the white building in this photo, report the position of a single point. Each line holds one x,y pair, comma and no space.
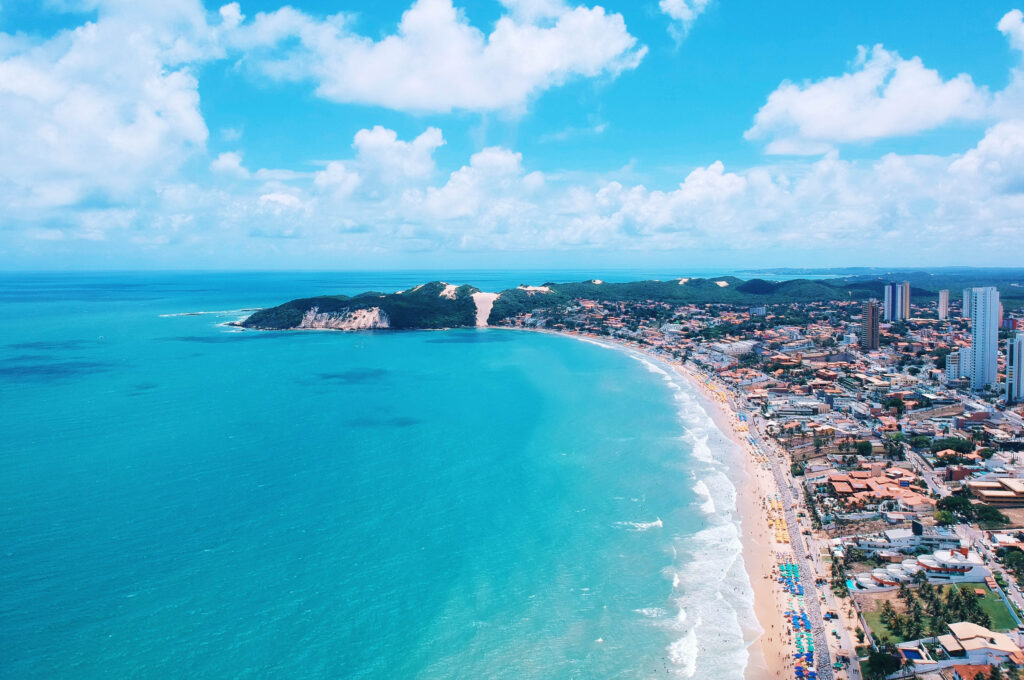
984,314
954,565
943,305
1015,369
896,306
953,366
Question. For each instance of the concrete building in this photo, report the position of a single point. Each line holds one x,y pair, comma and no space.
953,366
1015,369
983,311
869,325
897,301
1004,492
943,305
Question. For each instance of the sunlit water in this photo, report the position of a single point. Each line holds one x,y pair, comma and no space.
180,499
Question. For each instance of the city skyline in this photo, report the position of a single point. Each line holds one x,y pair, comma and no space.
510,134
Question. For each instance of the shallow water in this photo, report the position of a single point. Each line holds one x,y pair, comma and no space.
180,499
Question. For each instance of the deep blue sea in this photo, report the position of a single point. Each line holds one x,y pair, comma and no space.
180,499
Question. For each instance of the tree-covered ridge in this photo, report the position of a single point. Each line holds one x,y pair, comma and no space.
422,307
426,307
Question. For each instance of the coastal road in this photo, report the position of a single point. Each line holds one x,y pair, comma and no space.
812,599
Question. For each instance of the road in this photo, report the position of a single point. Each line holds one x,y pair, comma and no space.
935,485
976,539
813,598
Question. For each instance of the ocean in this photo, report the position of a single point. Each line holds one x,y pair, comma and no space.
183,499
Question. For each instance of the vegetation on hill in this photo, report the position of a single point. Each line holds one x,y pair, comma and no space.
424,307
419,308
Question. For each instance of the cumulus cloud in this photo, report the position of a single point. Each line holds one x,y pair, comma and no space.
683,13
884,96
493,184
102,109
338,179
1012,26
437,61
229,163
381,152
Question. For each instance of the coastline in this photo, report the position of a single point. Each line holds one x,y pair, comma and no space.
768,649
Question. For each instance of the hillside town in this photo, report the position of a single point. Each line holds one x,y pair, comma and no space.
895,431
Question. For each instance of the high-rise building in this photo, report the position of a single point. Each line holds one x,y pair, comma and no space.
983,310
943,305
869,325
953,366
897,301
1015,369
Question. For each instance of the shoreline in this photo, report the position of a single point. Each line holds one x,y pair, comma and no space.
768,648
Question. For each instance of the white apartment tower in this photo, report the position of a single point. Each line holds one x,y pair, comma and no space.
983,310
1015,369
943,305
896,306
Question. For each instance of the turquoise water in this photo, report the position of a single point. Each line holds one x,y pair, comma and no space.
179,499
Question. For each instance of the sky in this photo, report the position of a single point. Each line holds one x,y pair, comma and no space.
393,134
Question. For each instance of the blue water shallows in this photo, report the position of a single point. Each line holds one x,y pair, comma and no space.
179,499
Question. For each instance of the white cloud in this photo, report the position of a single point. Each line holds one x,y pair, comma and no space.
1012,26
493,182
338,179
885,96
437,61
380,151
683,13
229,163
231,15
103,110
998,158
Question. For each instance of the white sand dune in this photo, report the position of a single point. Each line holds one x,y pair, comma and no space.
484,303
449,291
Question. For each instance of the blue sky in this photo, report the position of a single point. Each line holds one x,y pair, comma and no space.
510,134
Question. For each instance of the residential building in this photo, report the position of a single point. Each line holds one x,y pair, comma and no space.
983,311
953,366
1015,369
869,325
979,645
943,305
897,301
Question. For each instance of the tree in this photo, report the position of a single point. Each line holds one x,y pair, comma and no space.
960,505
944,517
990,514
860,635
863,448
881,664
894,445
920,441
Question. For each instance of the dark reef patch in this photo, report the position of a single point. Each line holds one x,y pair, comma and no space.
397,421
356,376
34,371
